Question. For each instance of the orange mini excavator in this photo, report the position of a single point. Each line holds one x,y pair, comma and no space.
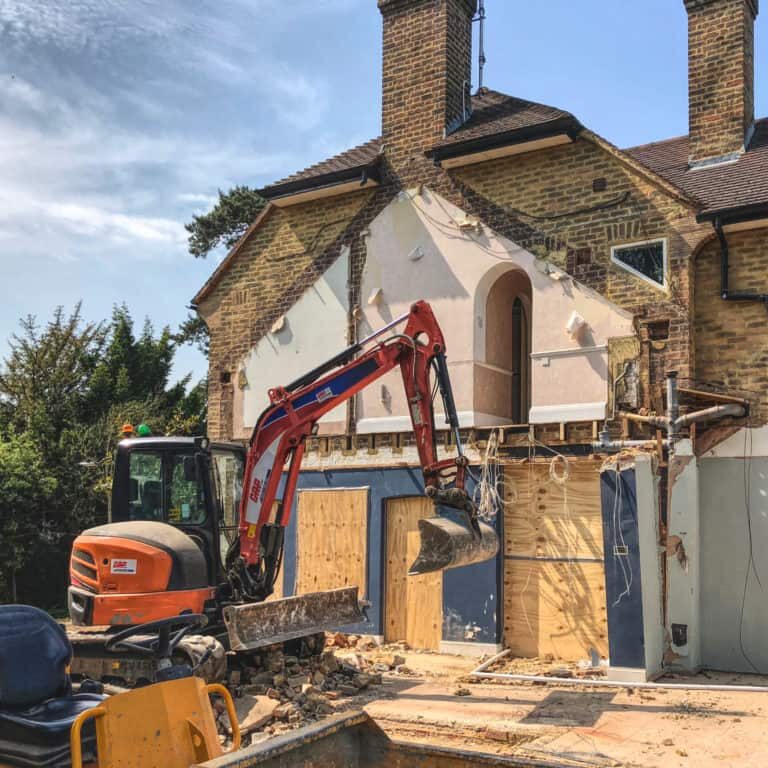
193,530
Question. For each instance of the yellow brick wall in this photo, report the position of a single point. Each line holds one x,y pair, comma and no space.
721,44
545,202
277,263
731,338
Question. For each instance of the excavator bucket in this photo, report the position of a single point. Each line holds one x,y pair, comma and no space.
446,543
255,625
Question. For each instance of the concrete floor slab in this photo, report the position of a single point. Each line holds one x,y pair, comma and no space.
594,727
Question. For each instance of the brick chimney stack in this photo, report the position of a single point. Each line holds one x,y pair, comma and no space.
721,78
426,73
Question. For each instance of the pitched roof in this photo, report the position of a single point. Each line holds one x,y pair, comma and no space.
719,188
346,163
495,114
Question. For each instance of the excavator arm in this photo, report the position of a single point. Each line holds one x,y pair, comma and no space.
282,429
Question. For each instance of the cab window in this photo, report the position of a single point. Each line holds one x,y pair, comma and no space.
185,503
228,479
145,486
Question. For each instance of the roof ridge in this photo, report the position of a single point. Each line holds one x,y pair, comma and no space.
520,98
656,143
339,155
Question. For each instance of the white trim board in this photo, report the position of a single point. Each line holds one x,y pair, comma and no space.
507,151
331,190
559,414
403,423
569,351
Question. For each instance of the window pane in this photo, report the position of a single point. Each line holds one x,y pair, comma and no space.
647,259
185,494
228,477
145,486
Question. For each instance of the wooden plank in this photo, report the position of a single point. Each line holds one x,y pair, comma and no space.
555,608
413,608
331,540
714,397
544,518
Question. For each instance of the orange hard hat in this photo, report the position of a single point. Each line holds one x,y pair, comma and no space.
127,428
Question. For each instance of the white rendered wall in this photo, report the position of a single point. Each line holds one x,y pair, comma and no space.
422,247
734,504
684,561
314,330
646,483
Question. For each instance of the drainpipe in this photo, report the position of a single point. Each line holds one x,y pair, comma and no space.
673,405
726,294
713,413
673,422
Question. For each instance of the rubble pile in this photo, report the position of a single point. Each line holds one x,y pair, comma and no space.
285,686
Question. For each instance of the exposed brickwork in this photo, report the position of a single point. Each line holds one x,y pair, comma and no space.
721,75
545,202
281,259
426,71
731,338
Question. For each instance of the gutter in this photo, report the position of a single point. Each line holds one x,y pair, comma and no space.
735,215
363,173
726,293
568,125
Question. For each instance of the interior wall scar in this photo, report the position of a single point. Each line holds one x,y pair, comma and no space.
313,330
422,247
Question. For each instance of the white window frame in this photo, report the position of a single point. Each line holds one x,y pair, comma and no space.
621,246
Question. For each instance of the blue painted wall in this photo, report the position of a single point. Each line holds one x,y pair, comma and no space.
626,645
471,595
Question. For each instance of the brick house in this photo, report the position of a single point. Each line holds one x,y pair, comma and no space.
570,278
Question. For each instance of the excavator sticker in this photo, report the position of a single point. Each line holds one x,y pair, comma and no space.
122,566
259,488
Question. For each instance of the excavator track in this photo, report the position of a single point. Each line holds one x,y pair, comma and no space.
90,660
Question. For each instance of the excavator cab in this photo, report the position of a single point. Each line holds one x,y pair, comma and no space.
173,516
186,482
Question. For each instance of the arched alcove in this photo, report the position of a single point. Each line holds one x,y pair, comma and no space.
505,380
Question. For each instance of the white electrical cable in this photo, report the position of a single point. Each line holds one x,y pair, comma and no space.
618,540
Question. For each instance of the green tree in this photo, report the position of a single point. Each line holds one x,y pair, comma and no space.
194,331
131,368
226,222
27,488
65,390
45,382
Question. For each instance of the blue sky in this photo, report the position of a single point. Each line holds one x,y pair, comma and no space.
119,119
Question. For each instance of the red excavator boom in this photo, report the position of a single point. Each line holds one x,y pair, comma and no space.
282,429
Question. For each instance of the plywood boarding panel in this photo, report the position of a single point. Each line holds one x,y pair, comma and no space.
554,601
543,518
555,608
413,609
331,540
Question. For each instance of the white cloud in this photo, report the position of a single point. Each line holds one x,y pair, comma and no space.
194,197
298,101
89,220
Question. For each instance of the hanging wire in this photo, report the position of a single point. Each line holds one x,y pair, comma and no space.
618,539
751,567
